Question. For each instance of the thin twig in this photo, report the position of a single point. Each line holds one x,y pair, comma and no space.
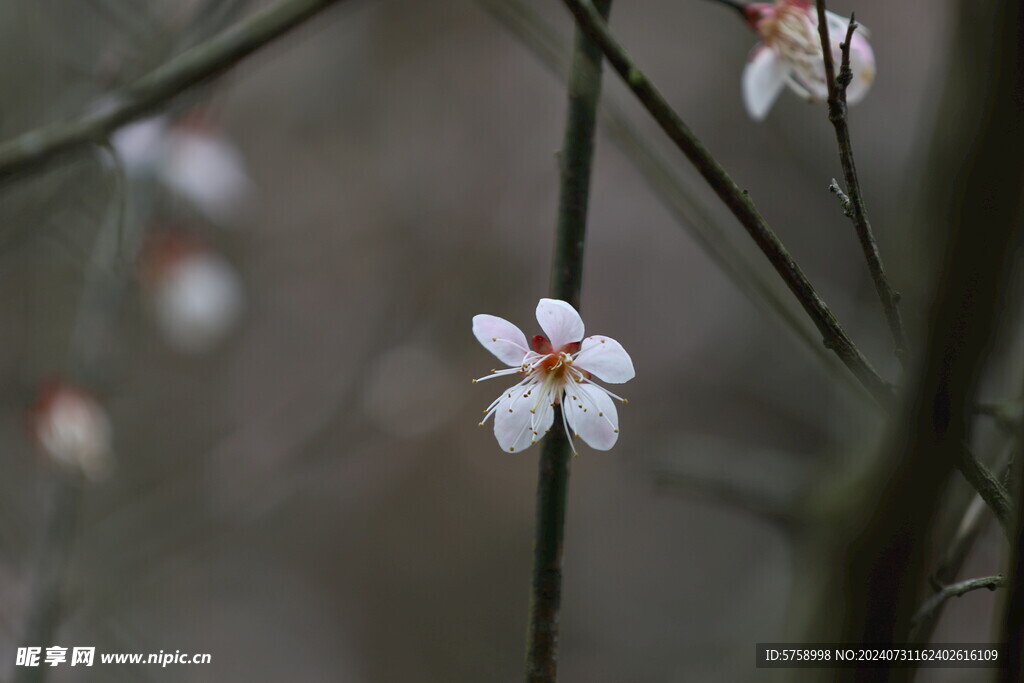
971,525
566,282
738,201
857,211
956,590
989,487
1006,414
39,148
972,522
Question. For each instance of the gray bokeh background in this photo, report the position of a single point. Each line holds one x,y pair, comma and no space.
313,500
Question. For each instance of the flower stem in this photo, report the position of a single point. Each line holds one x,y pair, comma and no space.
566,281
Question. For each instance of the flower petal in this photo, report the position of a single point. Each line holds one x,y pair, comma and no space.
591,414
837,25
605,358
502,338
522,417
560,322
763,78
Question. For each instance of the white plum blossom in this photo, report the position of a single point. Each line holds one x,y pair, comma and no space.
790,54
558,368
72,429
196,296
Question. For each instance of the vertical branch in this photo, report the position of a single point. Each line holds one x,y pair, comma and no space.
855,209
566,281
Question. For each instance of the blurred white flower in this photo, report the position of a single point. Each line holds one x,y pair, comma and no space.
190,157
205,168
557,368
790,54
72,429
139,145
196,296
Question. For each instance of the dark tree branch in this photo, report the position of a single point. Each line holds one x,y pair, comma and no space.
670,188
738,201
566,282
855,207
38,149
956,590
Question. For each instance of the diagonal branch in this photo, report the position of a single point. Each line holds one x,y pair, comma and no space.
668,186
738,201
956,590
39,148
855,208
742,207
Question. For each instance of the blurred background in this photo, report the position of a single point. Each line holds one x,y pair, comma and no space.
299,486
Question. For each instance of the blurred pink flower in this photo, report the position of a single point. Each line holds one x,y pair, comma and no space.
790,54
555,369
72,429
